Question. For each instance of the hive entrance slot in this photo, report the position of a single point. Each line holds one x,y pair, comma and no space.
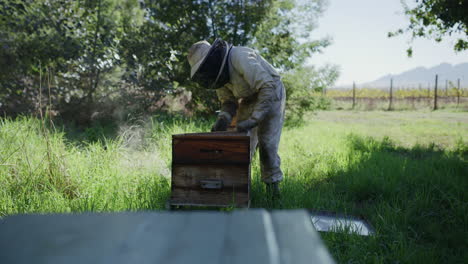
211,184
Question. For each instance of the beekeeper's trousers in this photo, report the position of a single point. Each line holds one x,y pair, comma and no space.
267,134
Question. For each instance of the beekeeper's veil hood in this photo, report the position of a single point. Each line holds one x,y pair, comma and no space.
208,63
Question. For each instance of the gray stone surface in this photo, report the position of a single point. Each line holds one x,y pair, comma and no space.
250,236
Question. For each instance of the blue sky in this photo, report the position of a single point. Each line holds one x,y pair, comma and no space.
361,47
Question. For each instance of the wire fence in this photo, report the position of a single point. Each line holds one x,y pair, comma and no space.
434,97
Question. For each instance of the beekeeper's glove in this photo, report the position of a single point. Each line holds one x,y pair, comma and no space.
246,125
220,125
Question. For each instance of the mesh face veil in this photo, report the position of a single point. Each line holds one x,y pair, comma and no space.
213,73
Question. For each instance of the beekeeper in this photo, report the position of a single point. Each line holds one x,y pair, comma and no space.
249,88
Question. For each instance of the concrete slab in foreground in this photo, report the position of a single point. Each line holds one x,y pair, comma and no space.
250,236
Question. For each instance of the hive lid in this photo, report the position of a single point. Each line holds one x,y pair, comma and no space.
214,135
332,222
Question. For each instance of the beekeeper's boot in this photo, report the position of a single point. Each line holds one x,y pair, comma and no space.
273,190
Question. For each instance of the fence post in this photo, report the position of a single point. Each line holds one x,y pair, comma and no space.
420,91
446,88
429,90
458,92
354,94
435,93
391,95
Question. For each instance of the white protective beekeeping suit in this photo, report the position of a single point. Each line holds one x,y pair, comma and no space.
256,90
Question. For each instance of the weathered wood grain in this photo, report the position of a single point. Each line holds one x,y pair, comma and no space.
184,175
242,236
211,169
187,189
204,150
189,196
294,238
223,135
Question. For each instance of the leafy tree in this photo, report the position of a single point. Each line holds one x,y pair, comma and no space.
33,34
435,19
304,86
97,51
283,38
94,77
74,41
156,52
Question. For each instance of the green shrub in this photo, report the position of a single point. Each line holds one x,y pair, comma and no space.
304,91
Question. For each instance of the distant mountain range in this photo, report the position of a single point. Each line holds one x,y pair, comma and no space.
422,76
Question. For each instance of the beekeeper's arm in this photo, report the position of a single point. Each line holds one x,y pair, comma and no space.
248,64
228,109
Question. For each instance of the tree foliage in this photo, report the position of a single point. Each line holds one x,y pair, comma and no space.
32,35
436,19
304,88
156,52
284,36
90,52
75,41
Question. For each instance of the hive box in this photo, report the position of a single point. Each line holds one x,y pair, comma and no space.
211,169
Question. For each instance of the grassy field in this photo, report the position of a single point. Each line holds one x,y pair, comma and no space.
406,172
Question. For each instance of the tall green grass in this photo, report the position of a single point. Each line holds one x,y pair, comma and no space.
41,170
404,172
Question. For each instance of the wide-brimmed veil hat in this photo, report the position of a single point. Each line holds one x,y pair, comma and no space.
208,63
197,53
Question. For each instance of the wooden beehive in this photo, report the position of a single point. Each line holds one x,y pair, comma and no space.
211,169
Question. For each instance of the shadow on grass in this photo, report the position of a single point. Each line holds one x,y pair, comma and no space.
414,197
